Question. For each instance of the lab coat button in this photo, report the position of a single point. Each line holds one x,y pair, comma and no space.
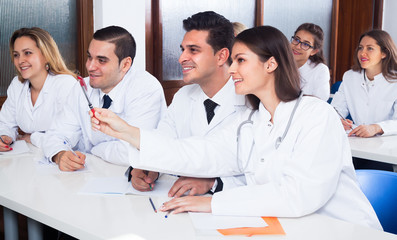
262,160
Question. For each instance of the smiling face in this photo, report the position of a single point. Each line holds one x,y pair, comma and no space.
369,55
301,56
248,71
29,60
103,66
198,60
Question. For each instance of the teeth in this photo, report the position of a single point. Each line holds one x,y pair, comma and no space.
23,68
187,68
237,80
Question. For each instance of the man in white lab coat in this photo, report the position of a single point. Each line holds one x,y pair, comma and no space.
205,60
114,83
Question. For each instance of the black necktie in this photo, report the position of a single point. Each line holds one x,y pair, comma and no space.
106,101
209,108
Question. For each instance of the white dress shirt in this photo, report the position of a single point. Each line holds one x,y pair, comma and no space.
310,172
186,116
315,80
368,102
18,110
138,99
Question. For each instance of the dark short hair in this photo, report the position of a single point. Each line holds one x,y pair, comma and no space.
318,36
220,29
267,42
124,41
387,46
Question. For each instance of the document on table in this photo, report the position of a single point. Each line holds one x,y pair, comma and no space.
18,147
119,185
207,221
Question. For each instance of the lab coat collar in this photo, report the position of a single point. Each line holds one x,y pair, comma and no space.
40,99
282,113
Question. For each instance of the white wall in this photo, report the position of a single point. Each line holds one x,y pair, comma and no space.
390,18
127,14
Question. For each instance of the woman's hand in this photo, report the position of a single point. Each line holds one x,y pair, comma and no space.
109,123
347,124
187,204
366,130
5,143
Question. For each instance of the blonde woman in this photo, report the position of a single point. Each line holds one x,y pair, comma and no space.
38,91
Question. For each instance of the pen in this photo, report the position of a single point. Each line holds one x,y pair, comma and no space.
166,215
84,87
151,202
70,149
7,145
150,185
340,115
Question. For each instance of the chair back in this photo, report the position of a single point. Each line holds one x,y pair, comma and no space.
380,187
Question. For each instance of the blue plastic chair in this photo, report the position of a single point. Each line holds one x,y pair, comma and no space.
334,89
380,187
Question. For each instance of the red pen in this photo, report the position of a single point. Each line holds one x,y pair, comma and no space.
84,87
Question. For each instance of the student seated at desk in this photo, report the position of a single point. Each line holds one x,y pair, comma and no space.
114,83
205,59
369,90
307,47
38,92
282,148
34,97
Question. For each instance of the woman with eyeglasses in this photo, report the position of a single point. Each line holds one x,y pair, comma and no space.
282,146
368,91
307,47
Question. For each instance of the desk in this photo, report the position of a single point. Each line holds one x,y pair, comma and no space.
378,148
53,199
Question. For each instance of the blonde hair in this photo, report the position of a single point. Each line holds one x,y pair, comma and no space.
48,48
238,27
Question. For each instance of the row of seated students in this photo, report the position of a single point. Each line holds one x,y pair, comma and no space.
256,76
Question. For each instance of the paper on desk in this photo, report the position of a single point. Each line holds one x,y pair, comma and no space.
207,221
44,166
18,147
119,185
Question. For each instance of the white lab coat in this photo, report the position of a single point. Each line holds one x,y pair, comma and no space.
310,172
375,105
186,116
18,110
138,99
315,80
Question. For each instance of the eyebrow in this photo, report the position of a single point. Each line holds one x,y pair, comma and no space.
99,57
238,54
305,41
190,46
24,50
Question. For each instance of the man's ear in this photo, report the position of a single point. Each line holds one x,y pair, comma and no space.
223,55
125,64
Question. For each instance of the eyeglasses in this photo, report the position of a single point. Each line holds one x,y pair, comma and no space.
304,46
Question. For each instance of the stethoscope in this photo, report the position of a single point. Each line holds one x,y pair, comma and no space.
279,140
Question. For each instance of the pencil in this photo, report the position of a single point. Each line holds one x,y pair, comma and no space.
151,202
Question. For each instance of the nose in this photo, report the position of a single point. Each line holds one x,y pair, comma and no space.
183,57
90,65
232,68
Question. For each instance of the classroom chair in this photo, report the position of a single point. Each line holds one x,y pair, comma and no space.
334,89
380,187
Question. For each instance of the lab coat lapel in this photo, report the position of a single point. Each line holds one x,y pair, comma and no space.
27,103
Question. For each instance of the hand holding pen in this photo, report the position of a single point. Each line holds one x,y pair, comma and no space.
5,142
347,123
142,180
69,160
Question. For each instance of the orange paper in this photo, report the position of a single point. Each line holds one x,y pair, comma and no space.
274,227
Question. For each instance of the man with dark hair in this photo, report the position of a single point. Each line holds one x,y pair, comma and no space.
114,83
204,106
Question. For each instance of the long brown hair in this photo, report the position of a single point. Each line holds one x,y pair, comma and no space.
387,46
267,42
47,46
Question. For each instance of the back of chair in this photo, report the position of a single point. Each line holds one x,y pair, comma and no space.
380,187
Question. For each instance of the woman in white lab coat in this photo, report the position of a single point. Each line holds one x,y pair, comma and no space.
38,92
293,152
369,90
307,47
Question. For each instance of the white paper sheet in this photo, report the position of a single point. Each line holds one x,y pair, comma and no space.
119,185
18,147
207,221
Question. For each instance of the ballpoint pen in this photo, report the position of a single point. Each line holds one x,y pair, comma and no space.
151,202
70,149
340,115
84,87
